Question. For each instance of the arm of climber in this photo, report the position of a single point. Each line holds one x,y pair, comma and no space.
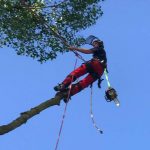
82,50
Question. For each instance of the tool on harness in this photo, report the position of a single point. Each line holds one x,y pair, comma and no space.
111,93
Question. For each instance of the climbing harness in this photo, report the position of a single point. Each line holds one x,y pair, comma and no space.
110,93
93,73
92,115
65,109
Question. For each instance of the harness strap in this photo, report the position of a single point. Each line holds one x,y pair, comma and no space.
99,82
91,70
106,76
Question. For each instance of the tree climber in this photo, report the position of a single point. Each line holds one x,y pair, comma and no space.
94,67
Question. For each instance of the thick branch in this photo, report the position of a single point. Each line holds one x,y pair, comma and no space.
25,116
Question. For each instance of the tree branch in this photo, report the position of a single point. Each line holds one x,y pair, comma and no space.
25,116
24,5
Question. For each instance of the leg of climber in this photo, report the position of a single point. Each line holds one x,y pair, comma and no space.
76,88
96,70
71,77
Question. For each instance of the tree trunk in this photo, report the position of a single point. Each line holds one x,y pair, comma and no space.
25,116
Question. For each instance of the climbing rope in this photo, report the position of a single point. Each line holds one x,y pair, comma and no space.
91,99
79,56
65,109
92,115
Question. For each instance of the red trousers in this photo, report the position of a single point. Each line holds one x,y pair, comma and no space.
97,68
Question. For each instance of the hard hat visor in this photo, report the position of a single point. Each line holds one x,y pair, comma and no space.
91,39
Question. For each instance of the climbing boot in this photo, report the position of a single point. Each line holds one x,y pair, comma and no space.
67,97
60,87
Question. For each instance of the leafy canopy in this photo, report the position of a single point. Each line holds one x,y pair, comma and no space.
37,28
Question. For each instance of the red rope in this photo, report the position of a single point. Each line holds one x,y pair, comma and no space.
65,109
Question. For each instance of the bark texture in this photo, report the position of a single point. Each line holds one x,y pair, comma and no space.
25,116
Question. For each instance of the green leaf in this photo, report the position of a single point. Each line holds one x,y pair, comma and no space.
35,28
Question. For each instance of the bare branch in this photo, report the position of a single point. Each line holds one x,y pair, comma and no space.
25,116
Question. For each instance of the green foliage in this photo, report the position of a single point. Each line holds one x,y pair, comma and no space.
35,27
